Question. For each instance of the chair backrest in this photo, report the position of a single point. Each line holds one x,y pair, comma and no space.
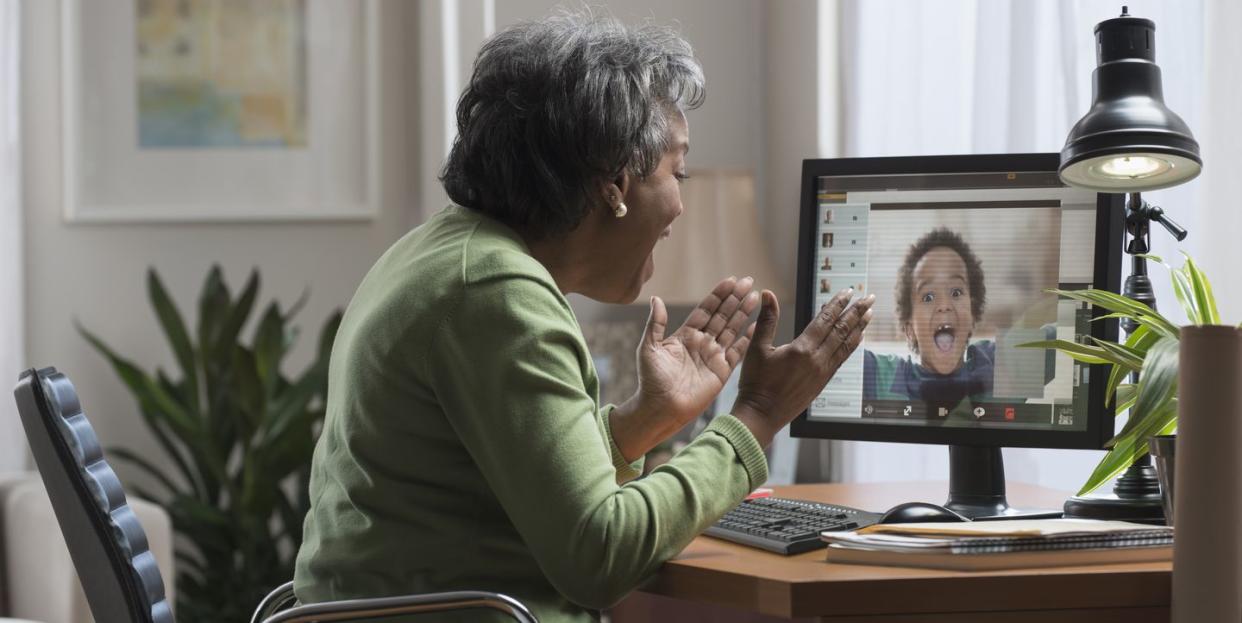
107,544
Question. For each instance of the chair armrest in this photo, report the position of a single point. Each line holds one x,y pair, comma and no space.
383,607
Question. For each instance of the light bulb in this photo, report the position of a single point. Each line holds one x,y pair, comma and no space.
1134,167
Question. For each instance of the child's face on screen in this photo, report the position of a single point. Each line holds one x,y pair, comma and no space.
940,320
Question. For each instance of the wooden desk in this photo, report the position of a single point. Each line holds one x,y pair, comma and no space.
714,580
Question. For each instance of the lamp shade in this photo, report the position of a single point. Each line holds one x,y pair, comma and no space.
1129,141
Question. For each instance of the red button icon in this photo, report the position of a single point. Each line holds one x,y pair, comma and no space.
1009,413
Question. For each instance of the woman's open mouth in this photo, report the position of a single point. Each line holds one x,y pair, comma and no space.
945,336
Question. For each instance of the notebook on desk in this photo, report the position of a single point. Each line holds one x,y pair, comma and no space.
980,546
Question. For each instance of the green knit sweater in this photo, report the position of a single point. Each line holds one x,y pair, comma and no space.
465,448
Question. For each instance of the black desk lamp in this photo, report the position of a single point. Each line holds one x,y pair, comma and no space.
1127,143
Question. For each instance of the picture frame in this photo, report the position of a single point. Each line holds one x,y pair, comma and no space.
302,149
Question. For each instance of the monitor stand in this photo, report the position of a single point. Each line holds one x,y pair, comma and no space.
977,486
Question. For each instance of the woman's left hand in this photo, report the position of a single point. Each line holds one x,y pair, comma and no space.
680,374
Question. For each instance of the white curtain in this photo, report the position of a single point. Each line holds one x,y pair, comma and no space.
1007,76
12,441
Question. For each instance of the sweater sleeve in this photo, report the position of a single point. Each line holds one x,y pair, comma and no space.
508,371
625,471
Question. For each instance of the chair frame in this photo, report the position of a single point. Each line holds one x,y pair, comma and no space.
271,609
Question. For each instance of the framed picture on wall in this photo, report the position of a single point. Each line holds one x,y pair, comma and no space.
220,110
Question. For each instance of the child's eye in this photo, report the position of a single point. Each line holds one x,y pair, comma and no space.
957,292
929,297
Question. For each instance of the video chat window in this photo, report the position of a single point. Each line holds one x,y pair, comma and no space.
960,279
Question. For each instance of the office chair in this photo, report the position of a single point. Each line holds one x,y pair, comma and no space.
109,549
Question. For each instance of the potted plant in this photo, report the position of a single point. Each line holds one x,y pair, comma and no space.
1152,351
237,434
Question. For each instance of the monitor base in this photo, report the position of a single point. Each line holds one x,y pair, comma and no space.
977,486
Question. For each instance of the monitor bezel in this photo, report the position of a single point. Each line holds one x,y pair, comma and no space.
1110,227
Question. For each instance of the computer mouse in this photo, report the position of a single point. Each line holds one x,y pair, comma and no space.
919,512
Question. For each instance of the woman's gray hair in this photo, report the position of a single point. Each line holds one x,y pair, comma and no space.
556,107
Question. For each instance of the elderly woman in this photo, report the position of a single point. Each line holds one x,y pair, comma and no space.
464,446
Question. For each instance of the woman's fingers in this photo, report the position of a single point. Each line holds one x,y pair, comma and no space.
738,321
700,315
769,314
728,309
657,322
822,324
845,324
851,341
737,350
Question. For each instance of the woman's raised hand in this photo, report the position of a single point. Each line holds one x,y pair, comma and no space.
779,382
680,374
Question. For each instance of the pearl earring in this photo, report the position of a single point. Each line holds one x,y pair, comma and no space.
620,210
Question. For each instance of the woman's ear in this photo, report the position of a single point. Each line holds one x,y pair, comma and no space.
613,193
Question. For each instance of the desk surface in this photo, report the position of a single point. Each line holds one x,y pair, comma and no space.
720,573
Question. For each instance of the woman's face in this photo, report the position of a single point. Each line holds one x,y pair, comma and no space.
941,320
653,204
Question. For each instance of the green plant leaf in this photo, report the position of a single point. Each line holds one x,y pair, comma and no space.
149,394
1156,386
291,405
269,347
298,304
1128,449
231,325
174,329
1079,352
249,398
1120,354
1120,304
1139,341
213,306
149,469
1126,393
1205,300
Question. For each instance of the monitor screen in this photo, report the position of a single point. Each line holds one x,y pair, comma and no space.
960,252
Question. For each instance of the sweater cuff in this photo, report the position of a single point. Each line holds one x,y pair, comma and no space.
749,452
625,471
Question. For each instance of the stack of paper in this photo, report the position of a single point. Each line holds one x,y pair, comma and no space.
985,545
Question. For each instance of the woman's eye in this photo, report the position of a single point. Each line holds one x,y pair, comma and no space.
929,297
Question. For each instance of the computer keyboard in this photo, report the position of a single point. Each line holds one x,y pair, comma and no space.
786,526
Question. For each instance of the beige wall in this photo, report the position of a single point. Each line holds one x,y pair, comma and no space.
95,273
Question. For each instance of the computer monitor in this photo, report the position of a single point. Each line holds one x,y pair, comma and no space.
959,251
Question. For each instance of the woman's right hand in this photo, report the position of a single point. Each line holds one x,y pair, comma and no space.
778,383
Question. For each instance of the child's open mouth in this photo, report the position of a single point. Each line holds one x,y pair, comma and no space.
945,337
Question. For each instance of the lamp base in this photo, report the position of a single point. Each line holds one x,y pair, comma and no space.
1136,498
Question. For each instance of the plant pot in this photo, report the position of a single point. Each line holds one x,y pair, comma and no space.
1207,544
1162,448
